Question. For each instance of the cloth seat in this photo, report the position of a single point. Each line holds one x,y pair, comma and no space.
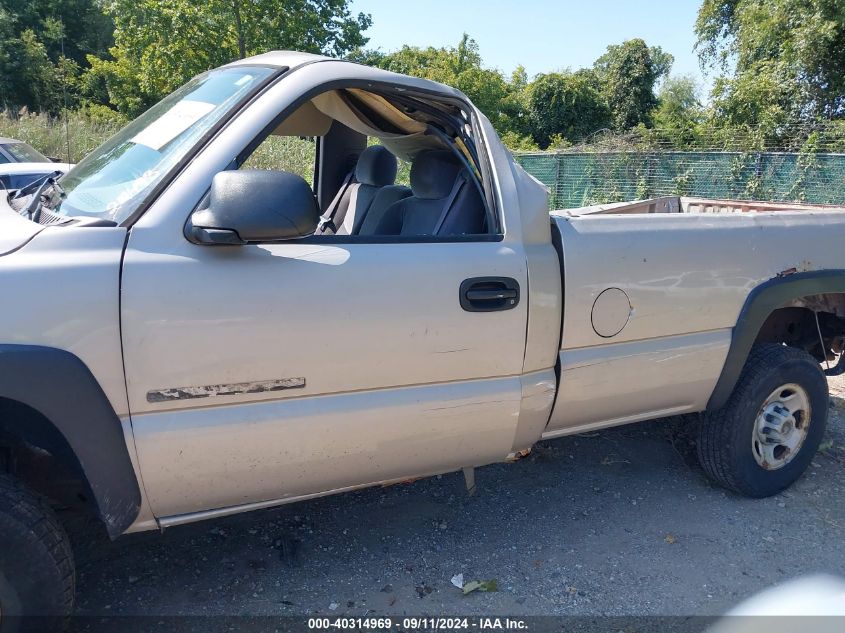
365,223
445,200
372,190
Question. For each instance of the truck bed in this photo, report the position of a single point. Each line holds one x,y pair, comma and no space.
673,275
684,204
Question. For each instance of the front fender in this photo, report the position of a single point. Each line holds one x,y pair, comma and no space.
60,386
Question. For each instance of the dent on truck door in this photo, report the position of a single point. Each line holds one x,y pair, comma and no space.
270,371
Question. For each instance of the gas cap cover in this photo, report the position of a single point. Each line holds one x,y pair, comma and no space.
611,311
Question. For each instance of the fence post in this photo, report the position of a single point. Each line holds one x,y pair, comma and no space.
556,203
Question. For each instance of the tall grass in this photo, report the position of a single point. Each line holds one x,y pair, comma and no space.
288,153
83,132
53,138
297,155
87,129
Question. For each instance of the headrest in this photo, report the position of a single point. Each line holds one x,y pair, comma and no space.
433,174
376,166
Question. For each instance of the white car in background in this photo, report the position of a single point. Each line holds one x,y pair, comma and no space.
14,176
15,151
21,164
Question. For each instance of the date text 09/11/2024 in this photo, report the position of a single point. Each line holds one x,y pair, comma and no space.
418,623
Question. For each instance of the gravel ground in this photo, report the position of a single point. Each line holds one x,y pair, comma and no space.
620,522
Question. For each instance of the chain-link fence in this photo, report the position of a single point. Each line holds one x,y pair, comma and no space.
647,164
580,179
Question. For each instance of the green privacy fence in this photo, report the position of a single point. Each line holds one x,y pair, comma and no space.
578,179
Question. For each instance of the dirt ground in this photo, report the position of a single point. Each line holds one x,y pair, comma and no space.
619,522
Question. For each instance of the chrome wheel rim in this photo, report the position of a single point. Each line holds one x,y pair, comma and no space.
781,426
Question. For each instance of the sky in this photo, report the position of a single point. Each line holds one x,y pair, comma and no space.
543,36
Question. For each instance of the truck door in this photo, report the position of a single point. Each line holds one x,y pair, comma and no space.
273,371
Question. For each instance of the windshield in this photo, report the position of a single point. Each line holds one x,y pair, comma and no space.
113,180
24,153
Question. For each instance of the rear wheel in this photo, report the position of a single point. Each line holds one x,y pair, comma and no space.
36,563
767,433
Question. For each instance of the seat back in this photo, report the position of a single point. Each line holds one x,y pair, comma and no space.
445,200
366,223
375,169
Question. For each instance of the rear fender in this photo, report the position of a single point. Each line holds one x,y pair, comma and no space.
761,302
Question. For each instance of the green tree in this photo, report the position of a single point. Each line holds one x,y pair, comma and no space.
566,105
458,66
29,77
83,26
515,119
160,44
627,75
679,111
42,47
781,61
502,99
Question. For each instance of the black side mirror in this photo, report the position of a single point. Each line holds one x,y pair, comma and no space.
253,205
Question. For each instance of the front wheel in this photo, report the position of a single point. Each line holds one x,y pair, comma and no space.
765,436
36,564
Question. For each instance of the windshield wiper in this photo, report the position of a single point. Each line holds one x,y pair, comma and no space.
40,198
35,184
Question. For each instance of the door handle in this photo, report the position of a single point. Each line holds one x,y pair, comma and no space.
489,294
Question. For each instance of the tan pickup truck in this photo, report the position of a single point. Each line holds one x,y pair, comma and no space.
183,337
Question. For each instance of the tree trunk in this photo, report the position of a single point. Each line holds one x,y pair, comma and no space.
236,5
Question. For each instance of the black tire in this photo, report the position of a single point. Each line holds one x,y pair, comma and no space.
36,563
724,443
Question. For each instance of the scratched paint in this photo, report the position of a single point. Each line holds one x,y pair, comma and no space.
231,389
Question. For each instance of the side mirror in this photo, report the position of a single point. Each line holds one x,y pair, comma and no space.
253,205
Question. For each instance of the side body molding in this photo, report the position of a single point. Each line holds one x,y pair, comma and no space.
761,302
60,386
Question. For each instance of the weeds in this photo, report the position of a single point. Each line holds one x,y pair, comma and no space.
52,137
